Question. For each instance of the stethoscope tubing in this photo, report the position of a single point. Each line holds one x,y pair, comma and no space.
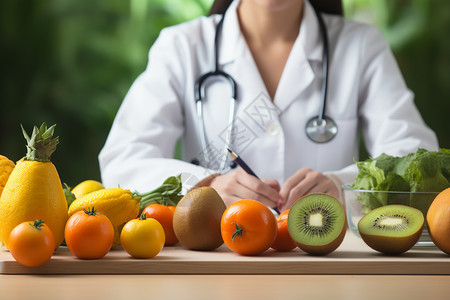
200,93
319,129
325,68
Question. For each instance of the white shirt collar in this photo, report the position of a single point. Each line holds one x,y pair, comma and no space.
231,36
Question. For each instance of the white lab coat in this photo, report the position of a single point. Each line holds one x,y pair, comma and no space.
366,94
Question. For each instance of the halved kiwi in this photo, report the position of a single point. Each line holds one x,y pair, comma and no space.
317,223
391,229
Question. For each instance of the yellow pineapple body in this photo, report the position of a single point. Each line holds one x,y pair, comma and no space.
33,190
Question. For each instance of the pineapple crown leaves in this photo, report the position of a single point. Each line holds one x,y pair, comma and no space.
41,144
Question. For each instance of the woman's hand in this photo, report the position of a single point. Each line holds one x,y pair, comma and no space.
303,182
237,185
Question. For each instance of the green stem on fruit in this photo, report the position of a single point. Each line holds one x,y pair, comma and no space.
37,223
90,211
143,217
238,232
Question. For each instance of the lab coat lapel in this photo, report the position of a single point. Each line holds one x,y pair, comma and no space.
298,73
297,76
254,107
235,58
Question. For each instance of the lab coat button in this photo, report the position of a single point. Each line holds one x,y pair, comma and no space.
272,129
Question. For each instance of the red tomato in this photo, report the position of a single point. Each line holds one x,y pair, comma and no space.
88,234
283,241
164,215
248,227
31,244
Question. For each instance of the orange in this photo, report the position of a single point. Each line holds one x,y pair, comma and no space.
89,234
32,244
438,221
283,241
164,215
248,227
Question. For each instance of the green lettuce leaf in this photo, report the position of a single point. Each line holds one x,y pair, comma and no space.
444,162
422,171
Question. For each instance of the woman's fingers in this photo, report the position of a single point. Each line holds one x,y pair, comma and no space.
272,183
238,185
293,182
305,181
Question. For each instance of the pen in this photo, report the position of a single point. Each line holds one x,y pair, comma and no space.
247,169
241,163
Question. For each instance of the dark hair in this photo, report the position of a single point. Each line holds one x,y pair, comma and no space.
333,7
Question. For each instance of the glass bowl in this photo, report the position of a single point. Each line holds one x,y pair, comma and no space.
355,210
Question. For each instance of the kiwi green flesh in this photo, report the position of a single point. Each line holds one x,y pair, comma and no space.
316,219
392,221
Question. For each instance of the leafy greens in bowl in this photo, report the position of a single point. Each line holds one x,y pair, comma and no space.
412,180
422,171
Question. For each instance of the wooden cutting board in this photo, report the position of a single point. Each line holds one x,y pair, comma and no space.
352,257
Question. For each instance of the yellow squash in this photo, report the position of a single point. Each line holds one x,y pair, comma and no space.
120,205
6,167
34,189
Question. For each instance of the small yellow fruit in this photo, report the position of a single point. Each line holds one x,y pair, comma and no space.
6,167
86,187
118,204
143,238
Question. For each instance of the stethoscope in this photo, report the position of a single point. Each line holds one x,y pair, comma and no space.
319,129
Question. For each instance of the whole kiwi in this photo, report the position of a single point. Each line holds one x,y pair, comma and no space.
196,220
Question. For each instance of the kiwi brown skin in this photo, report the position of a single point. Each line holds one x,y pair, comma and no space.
391,245
196,220
321,250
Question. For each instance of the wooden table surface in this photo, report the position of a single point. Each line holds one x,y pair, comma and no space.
354,271
352,257
226,287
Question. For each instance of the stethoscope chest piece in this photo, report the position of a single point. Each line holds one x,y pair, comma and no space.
321,130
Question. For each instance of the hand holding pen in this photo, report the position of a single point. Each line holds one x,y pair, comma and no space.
236,185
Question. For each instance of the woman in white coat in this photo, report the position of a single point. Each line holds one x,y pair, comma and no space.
273,50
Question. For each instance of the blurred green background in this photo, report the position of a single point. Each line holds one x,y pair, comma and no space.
71,62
